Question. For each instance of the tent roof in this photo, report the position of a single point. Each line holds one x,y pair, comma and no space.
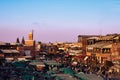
52,62
64,77
88,76
37,63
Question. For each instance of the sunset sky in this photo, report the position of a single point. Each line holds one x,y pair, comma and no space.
58,20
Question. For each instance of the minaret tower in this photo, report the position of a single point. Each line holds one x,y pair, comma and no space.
30,41
30,35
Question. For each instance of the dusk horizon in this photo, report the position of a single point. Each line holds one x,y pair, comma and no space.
58,20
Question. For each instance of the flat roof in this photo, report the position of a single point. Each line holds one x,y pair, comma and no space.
9,51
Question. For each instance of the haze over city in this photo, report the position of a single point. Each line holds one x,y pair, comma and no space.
58,20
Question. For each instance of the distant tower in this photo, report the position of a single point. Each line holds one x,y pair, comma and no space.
30,35
30,41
